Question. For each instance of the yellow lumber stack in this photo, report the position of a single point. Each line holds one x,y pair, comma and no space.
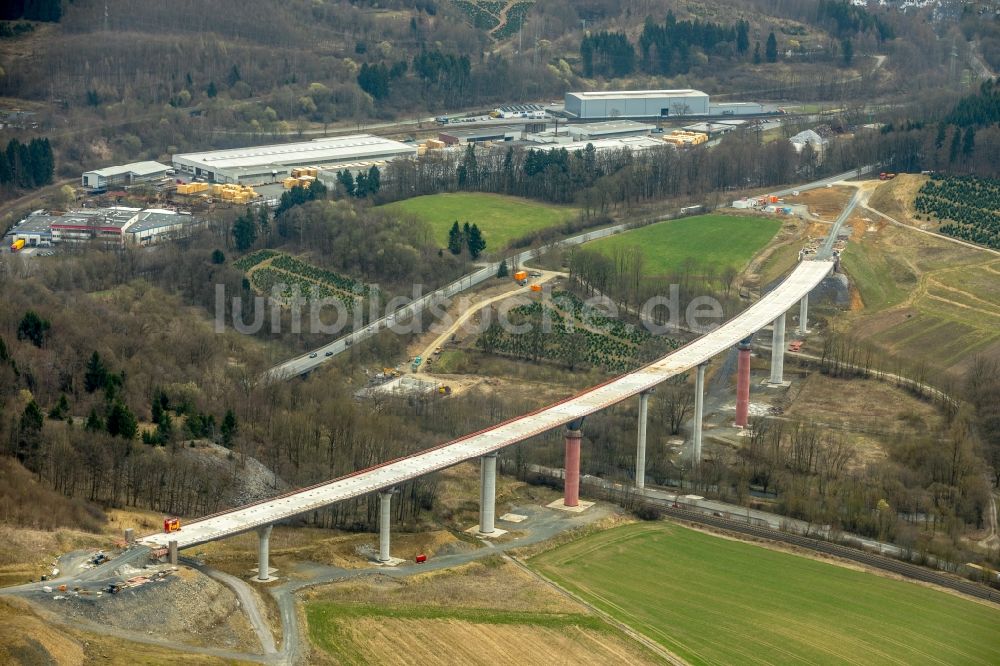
290,182
192,188
684,138
434,144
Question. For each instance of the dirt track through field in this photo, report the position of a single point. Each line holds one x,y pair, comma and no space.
453,641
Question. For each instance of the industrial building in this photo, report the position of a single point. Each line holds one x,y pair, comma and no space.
126,174
270,164
810,137
608,130
633,143
115,226
481,134
735,109
636,103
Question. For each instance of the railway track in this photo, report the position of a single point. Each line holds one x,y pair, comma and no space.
881,562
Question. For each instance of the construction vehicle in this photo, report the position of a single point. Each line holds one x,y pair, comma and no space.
17,245
444,390
416,363
886,176
795,345
171,525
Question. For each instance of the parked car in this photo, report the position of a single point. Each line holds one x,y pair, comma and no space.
313,355
329,353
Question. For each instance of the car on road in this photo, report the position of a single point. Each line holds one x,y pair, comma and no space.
534,274
313,355
329,353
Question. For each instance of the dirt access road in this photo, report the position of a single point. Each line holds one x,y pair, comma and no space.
475,308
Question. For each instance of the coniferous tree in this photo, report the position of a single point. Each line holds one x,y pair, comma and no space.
771,52
742,37
96,375
455,239
502,270
475,241
346,179
33,328
121,422
245,232
229,428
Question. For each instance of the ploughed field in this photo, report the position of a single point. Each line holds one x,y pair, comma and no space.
716,241
500,218
718,601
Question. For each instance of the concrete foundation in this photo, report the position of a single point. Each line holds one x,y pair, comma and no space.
579,507
495,534
640,452
743,383
571,495
263,554
804,315
778,351
385,515
487,493
699,410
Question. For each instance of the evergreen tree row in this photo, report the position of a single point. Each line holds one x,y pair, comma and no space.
27,165
31,10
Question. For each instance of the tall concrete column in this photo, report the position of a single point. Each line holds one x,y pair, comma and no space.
778,350
640,452
263,552
385,515
699,409
487,493
743,383
804,315
571,495
172,552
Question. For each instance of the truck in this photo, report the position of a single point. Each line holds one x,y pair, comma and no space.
171,525
521,277
17,245
886,176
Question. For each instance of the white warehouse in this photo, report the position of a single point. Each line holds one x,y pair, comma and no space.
269,164
636,103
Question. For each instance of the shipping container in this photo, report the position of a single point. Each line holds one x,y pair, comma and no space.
520,275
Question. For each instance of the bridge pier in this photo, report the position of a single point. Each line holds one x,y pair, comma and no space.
778,352
385,515
640,453
571,494
263,553
743,383
804,315
488,494
172,552
699,410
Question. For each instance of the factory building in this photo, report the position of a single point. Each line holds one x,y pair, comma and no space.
481,134
735,109
636,103
126,174
608,130
633,143
119,225
270,164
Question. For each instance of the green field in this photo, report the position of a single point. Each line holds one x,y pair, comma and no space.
500,218
715,240
716,601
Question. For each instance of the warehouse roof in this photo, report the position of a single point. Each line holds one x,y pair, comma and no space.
139,168
639,94
635,143
483,132
609,127
155,218
343,148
